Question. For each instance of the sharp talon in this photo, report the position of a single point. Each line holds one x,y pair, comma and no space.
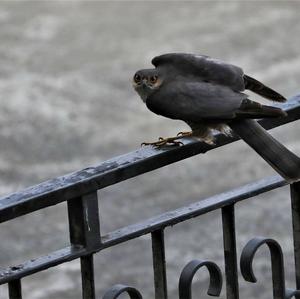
150,143
160,142
164,141
174,142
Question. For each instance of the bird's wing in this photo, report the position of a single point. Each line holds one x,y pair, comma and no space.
193,101
199,101
201,67
263,90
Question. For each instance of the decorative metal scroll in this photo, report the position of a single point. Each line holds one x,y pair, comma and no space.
188,273
118,289
185,282
215,276
277,265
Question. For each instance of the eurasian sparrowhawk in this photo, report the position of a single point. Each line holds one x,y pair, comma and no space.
208,95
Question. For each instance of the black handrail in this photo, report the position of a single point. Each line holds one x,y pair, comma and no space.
119,169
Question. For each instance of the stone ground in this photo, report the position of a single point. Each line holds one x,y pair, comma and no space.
67,103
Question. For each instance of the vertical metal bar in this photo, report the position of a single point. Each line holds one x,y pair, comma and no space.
84,228
84,221
230,257
15,289
159,265
87,276
295,200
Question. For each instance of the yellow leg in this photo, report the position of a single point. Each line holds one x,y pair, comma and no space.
185,134
165,141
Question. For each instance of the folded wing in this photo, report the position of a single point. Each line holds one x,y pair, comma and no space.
201,67
200,101
207,69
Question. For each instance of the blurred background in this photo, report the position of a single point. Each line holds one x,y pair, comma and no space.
67,103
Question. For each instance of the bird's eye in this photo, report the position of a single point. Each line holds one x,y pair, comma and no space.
153,79
137,78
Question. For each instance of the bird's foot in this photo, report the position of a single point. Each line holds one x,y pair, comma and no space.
185,134
164,141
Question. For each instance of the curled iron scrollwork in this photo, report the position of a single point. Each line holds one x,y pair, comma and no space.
185,282
188,273
118,289
277,266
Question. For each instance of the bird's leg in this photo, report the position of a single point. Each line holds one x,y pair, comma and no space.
207,138
224,129
165,141
185,134
204,134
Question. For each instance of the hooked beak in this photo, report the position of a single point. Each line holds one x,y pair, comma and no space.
144,84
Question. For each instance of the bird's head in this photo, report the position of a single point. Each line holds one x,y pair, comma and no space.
145,82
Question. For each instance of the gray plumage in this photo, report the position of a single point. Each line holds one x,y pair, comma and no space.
200,67
208,95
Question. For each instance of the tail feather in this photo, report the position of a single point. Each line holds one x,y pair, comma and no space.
286,163
263,90
251,109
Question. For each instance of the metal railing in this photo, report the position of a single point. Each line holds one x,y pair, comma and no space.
79,190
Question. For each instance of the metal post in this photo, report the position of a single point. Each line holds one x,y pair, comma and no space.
159,264
87,276
84,221
85,231
15,289
230,257
295,200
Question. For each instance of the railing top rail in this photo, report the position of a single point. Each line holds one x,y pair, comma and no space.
118,169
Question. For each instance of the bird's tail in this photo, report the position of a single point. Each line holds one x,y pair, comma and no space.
276,154
263,90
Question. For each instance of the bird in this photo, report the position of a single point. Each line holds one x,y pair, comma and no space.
209,95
